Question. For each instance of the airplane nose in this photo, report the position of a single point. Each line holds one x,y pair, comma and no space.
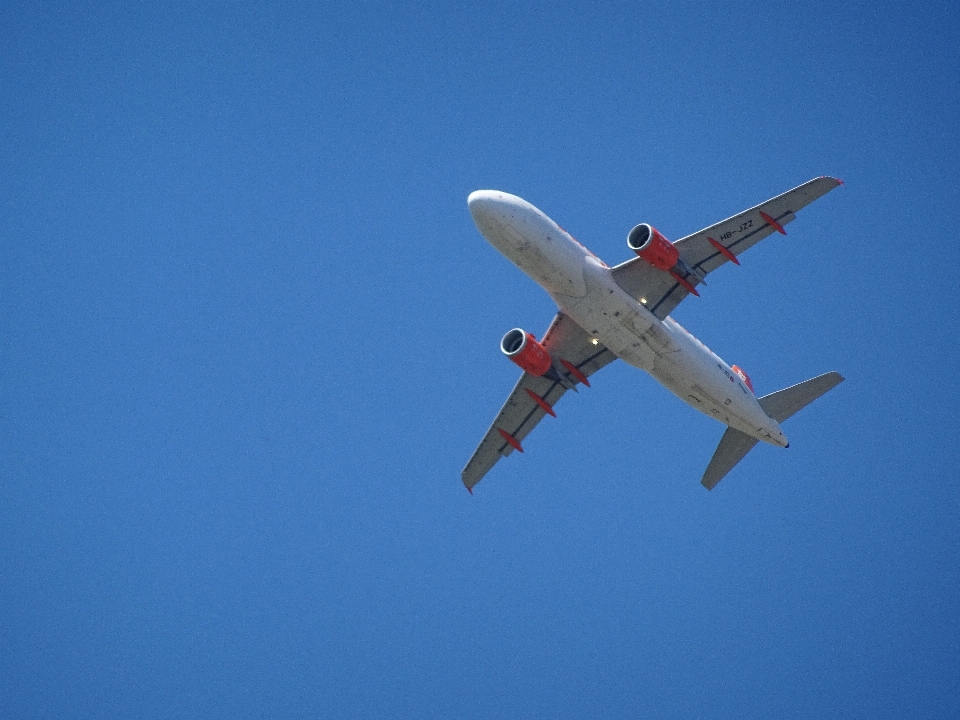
477,197
482,202
486,207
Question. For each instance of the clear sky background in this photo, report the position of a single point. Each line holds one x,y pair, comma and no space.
249,338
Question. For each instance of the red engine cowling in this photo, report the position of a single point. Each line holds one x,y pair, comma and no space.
653,247
525,351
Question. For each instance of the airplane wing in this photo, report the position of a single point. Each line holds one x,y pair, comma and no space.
705,251
520,414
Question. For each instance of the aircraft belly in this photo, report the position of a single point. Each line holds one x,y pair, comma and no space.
618,321
682,375
530,243
694,374
550,260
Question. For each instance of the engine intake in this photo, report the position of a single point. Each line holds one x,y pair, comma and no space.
653,247
524,350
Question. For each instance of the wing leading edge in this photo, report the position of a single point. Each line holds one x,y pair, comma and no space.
521,412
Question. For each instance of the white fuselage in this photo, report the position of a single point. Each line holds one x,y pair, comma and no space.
585,290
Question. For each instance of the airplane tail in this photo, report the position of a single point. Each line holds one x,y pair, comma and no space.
734,445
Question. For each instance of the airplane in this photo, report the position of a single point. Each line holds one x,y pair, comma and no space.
624,312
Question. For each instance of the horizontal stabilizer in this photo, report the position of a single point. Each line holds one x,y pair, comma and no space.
734,445
784,403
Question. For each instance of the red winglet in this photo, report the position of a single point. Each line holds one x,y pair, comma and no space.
541,402
773,223
575,371
510,439
690,288
470,490
723,251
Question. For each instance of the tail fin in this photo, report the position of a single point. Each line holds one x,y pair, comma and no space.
734,445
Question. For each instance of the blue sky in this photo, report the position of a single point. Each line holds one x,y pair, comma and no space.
249,338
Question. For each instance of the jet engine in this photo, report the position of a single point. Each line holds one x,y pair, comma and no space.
648,243
523,349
